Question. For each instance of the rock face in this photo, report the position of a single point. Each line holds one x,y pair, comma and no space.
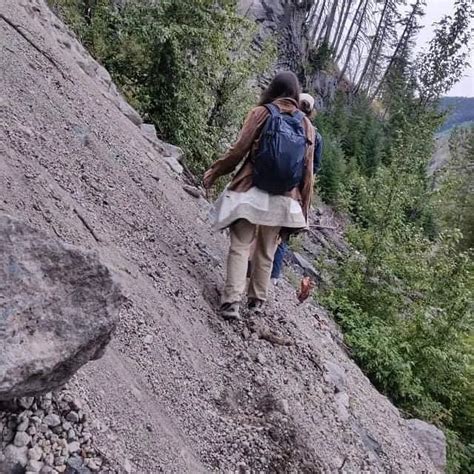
58,308
285,21
432,439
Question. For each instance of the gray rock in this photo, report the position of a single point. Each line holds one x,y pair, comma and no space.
53,320
432,440
342,406
261,359
15,458
336,375
308,269
34,466
71,435
167,149
21,439
74,447
52,420
76,404
72,417
129,111
88,66
174,164
193,191
26,402
149,132
76,466
35,453
283,406
103,75
23,426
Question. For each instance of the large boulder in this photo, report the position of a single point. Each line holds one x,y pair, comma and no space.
58,308
431,439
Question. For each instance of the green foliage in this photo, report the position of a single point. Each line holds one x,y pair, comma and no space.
354,146
443,64
186,65
456,197
407,326
319,58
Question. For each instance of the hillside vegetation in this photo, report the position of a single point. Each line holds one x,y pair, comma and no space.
459,111
404,294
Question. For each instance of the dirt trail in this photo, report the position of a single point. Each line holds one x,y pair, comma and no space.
178,390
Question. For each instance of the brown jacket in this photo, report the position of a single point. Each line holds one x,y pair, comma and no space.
247,143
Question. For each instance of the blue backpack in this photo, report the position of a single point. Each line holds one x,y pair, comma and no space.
279,162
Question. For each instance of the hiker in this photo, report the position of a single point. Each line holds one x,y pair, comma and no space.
269,195
306,105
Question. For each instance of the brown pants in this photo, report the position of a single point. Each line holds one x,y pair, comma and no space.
242,234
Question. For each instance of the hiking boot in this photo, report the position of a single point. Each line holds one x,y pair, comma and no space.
256,306
230,311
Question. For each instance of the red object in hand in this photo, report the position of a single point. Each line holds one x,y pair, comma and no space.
306,286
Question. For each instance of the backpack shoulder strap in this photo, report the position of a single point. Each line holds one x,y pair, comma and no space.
273,110
298,115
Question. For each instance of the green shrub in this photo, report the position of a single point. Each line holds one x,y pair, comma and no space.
186,65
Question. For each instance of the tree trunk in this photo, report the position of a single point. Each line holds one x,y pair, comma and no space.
401,45
319,22
354,40
348,35
373,46
330,22
341,25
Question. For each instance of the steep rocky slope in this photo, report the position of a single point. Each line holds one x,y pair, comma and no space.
178,390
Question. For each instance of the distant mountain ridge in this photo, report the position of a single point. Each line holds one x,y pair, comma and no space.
461,111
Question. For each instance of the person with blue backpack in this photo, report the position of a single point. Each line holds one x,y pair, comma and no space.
306,104
269,195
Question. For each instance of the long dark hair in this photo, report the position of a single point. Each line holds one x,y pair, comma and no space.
284,84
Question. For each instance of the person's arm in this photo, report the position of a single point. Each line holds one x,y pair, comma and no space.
318,153
308,180
237,152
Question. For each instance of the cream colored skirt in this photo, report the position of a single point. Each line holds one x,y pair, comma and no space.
258,207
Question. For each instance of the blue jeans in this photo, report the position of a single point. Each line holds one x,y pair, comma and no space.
278,260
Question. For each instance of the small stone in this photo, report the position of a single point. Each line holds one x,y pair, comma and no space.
23,426
336,375
26,402
261,359
59,461
76,404
283,406
34,466
32,430
191,190
35,453
148,339
72,417
21,439
49,459
44,428
48,470
127,466
71,435
15,457
94,464
74,447
52,420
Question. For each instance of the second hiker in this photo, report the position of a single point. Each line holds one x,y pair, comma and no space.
269,194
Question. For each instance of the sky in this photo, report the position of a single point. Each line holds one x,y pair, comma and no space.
435,10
